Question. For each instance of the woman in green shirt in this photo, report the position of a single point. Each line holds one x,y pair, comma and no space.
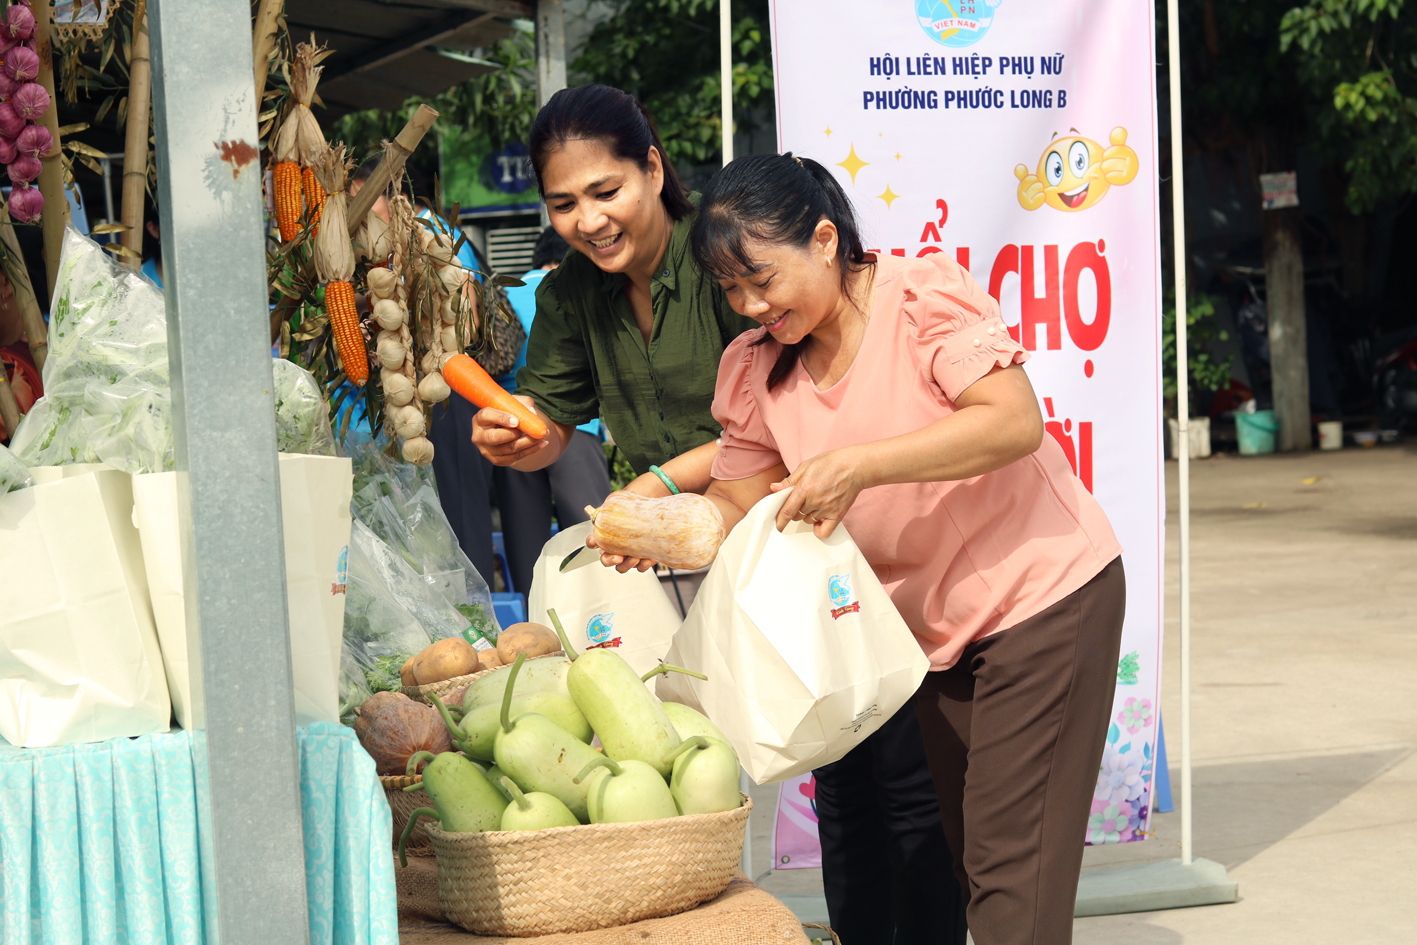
627,328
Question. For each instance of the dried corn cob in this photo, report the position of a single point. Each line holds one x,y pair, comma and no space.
286,179
314,197
334,260
344,324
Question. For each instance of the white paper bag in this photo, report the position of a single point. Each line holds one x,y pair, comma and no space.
599,606
314,497
805,653
79,657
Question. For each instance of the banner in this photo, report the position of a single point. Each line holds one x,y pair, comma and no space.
1021,137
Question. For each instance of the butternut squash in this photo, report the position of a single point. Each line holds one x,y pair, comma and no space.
679,531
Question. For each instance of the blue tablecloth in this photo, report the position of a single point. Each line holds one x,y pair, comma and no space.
98,843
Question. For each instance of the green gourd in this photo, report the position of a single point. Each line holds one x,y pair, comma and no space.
705,777
689,723
495,776
480,726
464,801
546,674
534,811
540,755
626,792
628,718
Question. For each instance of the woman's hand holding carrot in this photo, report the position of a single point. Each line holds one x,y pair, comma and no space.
500,436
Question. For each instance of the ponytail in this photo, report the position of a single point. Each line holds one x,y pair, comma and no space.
773,198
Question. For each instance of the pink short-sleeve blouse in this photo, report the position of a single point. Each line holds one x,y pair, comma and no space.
962,559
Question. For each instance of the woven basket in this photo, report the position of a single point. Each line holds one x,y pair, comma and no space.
403,803
576,879
424,694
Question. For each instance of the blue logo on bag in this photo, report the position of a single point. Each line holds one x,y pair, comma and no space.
341,573
839,590
955,23
598,630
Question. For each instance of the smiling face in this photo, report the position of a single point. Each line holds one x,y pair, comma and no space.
607,207
790,290
1071,172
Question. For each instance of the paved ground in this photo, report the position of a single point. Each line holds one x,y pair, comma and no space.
1305,706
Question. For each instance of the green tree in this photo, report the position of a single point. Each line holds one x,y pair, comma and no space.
666,54
1358,59
497,106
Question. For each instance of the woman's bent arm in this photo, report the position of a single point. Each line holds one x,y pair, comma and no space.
998,422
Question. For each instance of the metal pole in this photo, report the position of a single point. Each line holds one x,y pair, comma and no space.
550,49
247,765
1183,434
725,68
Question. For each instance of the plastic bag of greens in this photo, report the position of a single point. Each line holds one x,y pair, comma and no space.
106,391
399,503
390,613
302,417
409,581
108,395
13,474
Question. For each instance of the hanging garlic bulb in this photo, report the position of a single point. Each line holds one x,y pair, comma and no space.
382,283
398,389
408,421
418,450
391,350
433,388
389,314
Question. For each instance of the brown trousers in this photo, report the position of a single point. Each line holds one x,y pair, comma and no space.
1014,733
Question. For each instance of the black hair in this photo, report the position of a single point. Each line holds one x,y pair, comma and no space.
550,248
600,113
773,198
366,167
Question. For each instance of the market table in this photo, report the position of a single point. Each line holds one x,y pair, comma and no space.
98,842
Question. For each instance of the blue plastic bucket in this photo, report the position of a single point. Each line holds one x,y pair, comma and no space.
1256,432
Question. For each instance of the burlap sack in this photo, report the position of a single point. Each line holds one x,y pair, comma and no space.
742,915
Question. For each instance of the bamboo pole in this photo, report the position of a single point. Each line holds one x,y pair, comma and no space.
390,165
263,41
36,332
9,406
51,178
135,146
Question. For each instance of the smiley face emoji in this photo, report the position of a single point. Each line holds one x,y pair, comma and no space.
1075,173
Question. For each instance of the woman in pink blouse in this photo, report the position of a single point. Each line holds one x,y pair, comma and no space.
887,394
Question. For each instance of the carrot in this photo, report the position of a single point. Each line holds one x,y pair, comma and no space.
467,377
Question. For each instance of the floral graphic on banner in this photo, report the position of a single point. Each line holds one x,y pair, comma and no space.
1135,715
1122,798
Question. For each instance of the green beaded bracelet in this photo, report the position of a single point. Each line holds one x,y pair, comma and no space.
664,478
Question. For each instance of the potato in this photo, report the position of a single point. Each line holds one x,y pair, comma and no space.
533,639
489,659
406,673
444,660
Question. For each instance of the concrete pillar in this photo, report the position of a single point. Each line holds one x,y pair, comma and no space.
550,49
1288,334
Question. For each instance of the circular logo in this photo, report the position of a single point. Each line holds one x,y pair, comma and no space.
599,627
956,23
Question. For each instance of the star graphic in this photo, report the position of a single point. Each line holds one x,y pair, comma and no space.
829,131
853,164
897,155
888,197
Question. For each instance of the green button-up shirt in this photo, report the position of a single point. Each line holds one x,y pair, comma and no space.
586,357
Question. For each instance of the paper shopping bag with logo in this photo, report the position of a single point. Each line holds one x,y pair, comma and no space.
599,606
805,653
314,498
79,657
